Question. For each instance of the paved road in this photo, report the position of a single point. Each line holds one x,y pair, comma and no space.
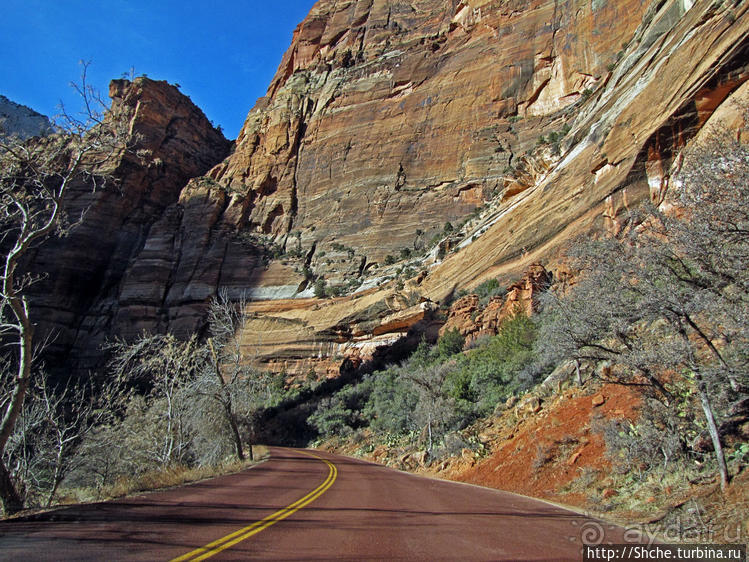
308,505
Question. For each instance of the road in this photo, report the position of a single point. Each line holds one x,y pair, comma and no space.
308,505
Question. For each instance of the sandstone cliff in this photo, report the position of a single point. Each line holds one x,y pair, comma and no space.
518,123
81,300
386,121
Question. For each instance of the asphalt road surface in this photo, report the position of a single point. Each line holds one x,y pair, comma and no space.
309,505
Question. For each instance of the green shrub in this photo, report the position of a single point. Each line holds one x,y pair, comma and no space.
335,290
319,288
450,343
488,289
491,372
436,387
332,418
391,403
341,413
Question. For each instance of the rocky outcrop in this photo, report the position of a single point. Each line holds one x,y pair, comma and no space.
392,118
472,320
21,121
81,300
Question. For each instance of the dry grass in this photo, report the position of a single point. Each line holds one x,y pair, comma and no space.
704,514
544,454
168,477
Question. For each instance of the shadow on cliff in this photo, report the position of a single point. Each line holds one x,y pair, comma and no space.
286,424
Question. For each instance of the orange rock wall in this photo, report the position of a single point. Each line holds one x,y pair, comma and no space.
473,320
387,117
385,120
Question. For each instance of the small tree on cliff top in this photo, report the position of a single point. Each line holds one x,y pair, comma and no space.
35,177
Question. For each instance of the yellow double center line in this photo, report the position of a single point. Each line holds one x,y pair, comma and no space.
230,540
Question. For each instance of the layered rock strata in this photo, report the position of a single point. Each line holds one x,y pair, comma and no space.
88,293
385,122
388,119
661,69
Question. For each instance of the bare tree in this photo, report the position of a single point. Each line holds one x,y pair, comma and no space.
601,318
19,451
434,409
35,177
225,320
672,293
200,396
230,383
166,367
70,414
52,425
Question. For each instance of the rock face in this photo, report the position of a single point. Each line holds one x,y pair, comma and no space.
410,149
21,121
87,293
387,119
474,321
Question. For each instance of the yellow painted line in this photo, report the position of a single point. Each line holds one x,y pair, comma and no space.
231,539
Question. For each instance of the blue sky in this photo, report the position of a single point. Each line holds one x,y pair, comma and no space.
223,54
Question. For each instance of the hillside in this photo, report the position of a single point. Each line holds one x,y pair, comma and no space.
497,241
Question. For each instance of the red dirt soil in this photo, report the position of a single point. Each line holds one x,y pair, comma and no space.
545,452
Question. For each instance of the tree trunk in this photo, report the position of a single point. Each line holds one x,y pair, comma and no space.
235,432
713,429
57,478
429,434
23,378
11,499
227,405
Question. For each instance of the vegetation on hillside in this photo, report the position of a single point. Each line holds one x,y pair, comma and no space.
662,306
671,305
437,390
171,407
